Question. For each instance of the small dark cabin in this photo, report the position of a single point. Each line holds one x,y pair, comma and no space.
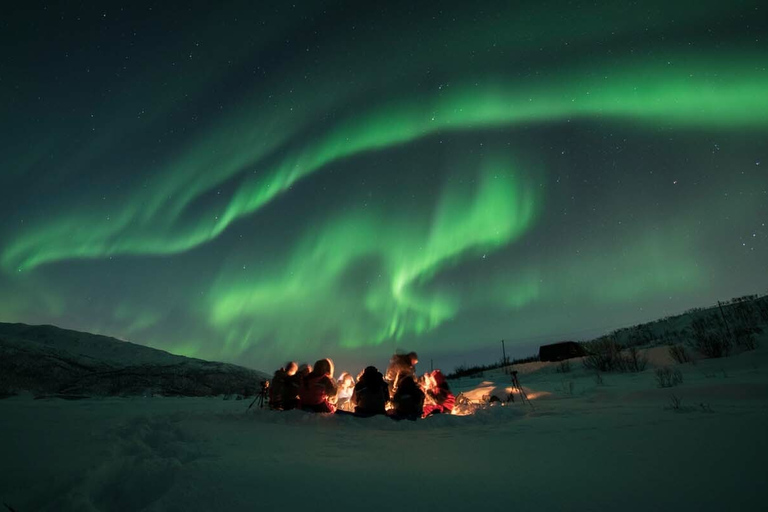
560,351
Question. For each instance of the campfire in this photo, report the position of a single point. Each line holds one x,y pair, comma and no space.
490,394
484,395
399,393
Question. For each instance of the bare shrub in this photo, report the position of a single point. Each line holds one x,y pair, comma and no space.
605,355
567,387
667,377
679,354
675,403
744,312
633,361
762,308
745,337
460,370
563,367
709,338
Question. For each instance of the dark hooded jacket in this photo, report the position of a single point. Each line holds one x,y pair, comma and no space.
277,389
371,393
291,386
408,401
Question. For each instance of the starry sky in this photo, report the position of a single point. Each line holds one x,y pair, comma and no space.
259,181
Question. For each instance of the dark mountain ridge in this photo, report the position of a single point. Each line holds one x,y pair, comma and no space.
45,359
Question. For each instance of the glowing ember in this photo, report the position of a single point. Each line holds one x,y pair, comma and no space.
488,394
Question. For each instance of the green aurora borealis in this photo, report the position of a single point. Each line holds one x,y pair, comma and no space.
252,183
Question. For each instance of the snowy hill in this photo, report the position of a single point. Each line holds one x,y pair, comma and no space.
738,319
49,360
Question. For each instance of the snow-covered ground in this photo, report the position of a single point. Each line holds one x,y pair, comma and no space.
618,445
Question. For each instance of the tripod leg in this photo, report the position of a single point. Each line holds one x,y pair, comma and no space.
261,400
522,392
520,388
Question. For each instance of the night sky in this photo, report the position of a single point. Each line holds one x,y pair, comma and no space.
260,181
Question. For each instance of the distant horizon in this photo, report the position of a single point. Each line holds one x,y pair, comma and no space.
485,355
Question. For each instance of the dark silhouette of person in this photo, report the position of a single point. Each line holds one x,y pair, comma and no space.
291,387
371,393
408,400
280,380
400,367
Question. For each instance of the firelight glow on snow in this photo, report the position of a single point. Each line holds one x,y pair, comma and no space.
253,182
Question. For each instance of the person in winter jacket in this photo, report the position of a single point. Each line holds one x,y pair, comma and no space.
304,370
346,384
318,388
408,400
400,367
371,393
291,391
277,389
438,394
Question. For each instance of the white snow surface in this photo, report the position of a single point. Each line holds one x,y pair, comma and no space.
618,445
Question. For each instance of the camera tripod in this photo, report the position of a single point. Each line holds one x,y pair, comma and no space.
262,397
516,386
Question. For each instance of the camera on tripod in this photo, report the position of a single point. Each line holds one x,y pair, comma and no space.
263,396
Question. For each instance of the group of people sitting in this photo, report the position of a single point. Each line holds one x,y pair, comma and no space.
399,393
